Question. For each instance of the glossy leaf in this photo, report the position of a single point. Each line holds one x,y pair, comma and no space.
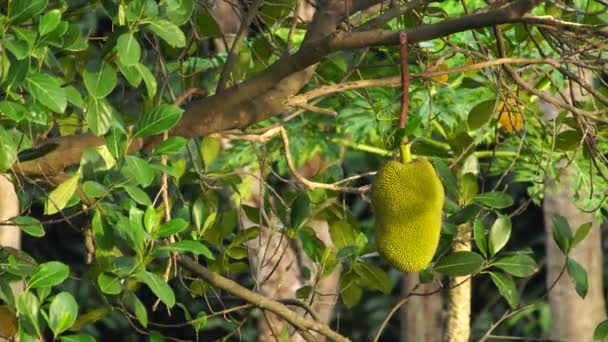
190,246
30,225
497,200
562,233
62,313
47,90
519,265
373,277
499,234
578,276
158,286
59,197
173,145
49,274
99,79
129,51
506,287
168,32
158,120
99,114
109,283
460,263
481,240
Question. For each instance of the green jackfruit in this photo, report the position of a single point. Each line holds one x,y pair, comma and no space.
407,200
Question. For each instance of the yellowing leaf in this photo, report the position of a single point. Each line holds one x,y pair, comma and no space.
8,322
59,197
441,79
509,116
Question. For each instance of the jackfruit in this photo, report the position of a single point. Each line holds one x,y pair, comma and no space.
407,200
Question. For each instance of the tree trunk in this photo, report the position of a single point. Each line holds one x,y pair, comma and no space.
276,262
10,236
572,318
421,316
459,314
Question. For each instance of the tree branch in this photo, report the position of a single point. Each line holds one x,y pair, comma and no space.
256,299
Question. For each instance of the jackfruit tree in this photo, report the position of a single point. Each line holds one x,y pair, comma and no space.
268,170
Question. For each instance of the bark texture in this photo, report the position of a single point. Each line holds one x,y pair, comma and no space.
573,318
459,314
422,317
276,263
10,236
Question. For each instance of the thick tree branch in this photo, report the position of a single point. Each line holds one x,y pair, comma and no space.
263,95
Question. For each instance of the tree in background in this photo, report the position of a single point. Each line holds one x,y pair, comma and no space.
191,183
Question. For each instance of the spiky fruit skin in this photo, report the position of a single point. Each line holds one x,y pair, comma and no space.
407,200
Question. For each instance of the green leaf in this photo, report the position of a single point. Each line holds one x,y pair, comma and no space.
499,234
24,10
28,306
578,276
562,233
373,277
47,90
447,178
129,51
62,313
140,310
506,287
94,189
17,47
149,79
172,227
12,110
189,246
49,274
158,286
102,234
350,291
519,265
568,140
600,334
179,11
480,237
168,32
158,120
99,115
16,75
99,79
58,198
49,21
173,145
109,283
580,234
460,263
465,214
497,200
480,114
468,188
342,234
210,149
300,210
74,97
77,338
30,225
138,195
139,170
8,150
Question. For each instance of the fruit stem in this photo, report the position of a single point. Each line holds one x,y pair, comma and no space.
404,147
406,153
